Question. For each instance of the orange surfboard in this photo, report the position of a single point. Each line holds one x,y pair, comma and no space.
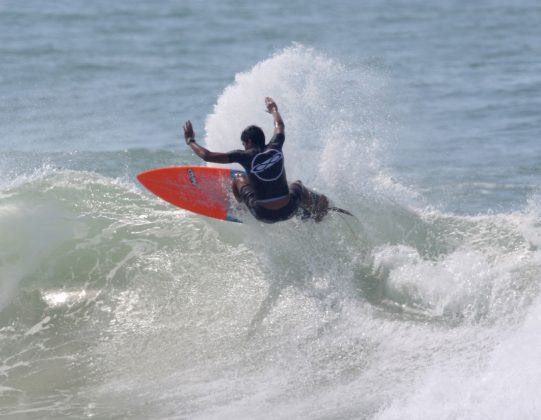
200,189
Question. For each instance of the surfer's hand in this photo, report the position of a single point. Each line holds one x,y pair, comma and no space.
271,105
189,134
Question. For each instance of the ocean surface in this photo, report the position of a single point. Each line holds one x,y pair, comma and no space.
422,118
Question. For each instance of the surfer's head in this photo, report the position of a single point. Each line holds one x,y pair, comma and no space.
255,135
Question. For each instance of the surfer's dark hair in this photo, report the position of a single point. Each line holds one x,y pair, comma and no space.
254,133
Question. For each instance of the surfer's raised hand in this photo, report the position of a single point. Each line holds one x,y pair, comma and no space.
271,105
272,109
189,134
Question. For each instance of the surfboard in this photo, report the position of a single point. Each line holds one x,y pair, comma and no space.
202,190
199,189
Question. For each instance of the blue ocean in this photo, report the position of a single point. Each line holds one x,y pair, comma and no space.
421,118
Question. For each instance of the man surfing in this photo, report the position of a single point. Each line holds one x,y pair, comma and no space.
264,189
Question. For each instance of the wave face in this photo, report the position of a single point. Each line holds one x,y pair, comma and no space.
114,304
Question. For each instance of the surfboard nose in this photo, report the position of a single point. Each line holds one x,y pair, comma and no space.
200,189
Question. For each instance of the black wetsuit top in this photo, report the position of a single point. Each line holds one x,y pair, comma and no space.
265,169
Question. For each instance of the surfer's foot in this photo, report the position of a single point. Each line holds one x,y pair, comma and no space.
321,208
237,195
239,181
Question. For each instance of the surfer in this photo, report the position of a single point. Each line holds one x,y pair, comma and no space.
264,190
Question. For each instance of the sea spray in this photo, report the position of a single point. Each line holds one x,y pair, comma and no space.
332,114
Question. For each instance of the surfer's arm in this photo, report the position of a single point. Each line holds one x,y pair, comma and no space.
272,108
207,155
202,152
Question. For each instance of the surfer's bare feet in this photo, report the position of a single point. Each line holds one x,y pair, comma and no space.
239,181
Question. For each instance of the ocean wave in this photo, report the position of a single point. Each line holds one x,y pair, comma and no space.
108,290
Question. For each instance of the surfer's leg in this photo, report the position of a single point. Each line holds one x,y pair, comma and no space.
316,204
321,207
239,181
244,193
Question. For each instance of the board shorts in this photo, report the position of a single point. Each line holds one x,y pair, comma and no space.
262,214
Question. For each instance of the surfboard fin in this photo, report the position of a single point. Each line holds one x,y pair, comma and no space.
339,210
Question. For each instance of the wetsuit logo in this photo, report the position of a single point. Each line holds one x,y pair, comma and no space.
269,165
